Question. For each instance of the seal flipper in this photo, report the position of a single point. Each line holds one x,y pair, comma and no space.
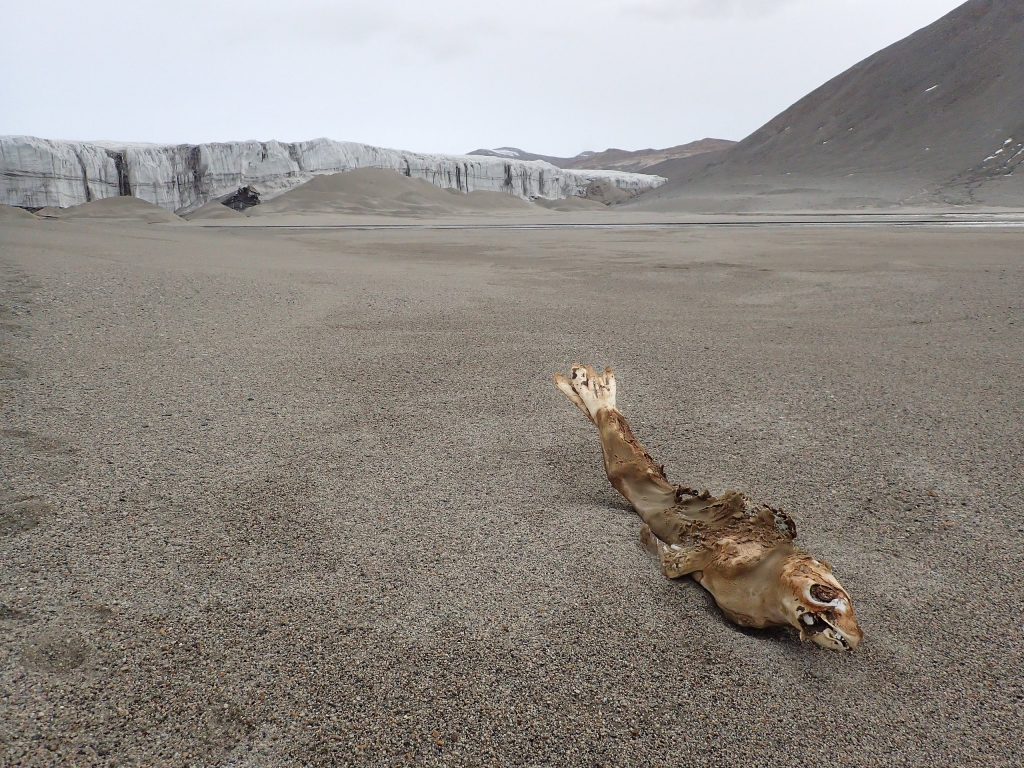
677,560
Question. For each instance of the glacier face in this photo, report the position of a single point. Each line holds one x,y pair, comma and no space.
39,172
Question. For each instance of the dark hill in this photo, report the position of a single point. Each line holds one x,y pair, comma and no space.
642,160
936,118
635,160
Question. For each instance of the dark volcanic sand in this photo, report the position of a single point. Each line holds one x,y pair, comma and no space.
276,498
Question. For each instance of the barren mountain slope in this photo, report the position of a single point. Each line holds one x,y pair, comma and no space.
937,117
636,161
642,159
515,153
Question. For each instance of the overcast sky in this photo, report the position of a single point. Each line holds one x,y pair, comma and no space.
550,76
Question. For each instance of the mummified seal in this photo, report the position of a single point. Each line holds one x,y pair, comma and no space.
741,552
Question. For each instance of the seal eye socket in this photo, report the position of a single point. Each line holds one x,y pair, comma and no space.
824,593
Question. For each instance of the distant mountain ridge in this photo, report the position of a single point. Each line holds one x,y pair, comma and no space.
614,159
934,119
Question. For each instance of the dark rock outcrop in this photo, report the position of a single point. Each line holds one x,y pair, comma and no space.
245,197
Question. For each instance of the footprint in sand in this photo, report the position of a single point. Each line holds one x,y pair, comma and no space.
38,444
9,613
12,369
20,514
55,651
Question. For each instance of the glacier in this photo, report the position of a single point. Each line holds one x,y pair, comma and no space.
35,172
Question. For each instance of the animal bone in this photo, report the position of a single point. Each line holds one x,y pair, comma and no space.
741,552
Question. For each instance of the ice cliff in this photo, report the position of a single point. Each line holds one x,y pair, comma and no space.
38,172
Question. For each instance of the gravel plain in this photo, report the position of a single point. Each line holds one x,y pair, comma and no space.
279,498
